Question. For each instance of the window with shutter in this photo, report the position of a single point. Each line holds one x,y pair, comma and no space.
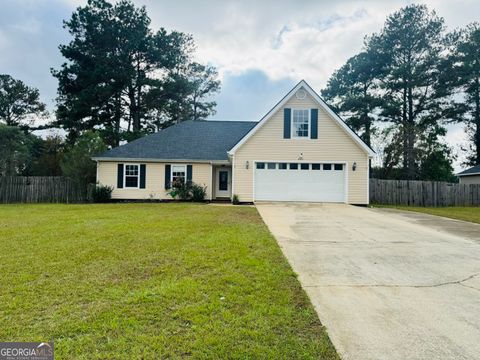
132,174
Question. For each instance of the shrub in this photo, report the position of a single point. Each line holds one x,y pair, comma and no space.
235,200
198,192
180,190
102,194
188,191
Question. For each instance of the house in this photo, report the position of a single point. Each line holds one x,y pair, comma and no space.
470,176
299,151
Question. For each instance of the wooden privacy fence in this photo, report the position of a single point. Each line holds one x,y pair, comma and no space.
40,189
423,193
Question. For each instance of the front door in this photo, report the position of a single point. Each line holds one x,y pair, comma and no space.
223,188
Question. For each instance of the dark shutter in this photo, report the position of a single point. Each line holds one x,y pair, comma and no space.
189,173
168,170
286,123
143,173
120,176
314,124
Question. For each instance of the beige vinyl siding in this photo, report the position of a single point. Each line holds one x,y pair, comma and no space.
155,180
333,144
470,179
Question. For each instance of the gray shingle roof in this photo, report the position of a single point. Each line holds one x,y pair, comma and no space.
188,140
471,171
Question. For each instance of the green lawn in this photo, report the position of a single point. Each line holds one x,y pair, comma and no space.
127,281
466,213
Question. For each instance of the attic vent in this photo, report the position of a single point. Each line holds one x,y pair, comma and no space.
301,94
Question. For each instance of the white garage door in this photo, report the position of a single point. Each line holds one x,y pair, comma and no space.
285,181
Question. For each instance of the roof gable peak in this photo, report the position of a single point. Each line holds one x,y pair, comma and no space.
322,104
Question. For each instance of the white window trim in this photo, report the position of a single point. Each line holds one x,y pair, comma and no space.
125,176
171,171
292,130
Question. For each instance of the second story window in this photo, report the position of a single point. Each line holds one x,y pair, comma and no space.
300,123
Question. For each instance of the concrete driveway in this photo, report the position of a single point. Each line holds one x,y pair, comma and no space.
386,284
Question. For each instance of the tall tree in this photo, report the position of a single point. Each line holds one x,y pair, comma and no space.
45,156
353,91
14,150
119,72
202,83
77,161
20,104
411,43
462,74
192,86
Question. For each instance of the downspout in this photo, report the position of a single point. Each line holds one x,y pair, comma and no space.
96,174
233,177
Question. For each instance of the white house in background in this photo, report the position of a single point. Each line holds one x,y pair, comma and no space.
470,176
299,151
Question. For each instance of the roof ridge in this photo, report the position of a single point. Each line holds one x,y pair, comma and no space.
229,121
211,121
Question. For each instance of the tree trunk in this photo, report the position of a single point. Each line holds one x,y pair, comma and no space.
138,117
477,121
194,108
8,119
405,132
367,134
133,109
137,93
411,137
366,120
118,116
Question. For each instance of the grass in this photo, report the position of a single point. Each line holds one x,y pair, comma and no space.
127,281
464,213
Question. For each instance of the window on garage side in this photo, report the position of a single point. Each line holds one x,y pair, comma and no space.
260,165
293,166
338,167
300,123
327,166
271,166
315,166
304,166
131,175
282,166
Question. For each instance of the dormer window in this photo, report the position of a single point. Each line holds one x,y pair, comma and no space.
300,123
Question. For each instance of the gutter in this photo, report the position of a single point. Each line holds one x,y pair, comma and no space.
470,174
199,161
95,158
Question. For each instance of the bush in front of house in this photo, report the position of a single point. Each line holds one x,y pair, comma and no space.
235,200
180,191
198,192
188,191
101,193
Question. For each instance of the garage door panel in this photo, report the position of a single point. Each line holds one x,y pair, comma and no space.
300,185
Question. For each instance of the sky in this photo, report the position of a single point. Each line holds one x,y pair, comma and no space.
260,48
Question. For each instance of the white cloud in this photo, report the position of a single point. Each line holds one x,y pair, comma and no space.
280,41
292,39
287,39
297,39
